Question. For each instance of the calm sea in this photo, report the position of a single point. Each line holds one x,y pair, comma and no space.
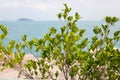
36,29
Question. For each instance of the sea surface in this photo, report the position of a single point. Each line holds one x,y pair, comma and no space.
37,29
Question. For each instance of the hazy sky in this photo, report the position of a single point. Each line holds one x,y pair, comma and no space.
47,9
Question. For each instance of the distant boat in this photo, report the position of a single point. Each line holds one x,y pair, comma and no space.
24,19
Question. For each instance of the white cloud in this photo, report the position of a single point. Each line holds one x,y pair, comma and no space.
96,9
47,9
25,4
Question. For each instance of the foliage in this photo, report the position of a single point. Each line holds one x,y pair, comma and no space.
9,57
65,51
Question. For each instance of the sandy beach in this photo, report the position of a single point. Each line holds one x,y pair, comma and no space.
12,74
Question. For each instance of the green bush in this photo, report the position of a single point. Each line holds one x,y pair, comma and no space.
65,50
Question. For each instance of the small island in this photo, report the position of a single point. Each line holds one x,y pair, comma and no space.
24,19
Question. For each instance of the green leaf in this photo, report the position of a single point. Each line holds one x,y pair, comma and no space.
117,33
83,44
70,18
81,32
59,15
97,30
63,29
17,47
4,32
114,19
65,15
108,19
22,55
16,57
57,73
31,42
52,30
77,16
4,29
24,38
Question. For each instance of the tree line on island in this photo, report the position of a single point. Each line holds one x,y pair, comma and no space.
24,19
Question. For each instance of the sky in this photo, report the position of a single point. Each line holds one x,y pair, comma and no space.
48,9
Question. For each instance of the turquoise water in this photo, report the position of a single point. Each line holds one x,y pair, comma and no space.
36,29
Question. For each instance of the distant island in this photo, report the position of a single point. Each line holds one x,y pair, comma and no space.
24,19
